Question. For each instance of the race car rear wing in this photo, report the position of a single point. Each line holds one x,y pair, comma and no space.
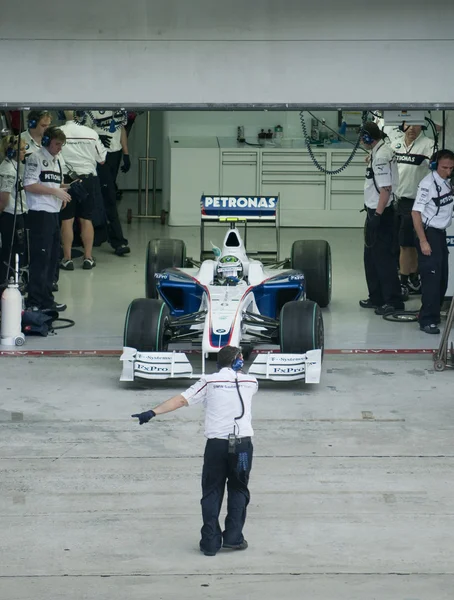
172,365
261,211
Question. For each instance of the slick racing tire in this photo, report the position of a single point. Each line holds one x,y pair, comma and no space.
162,254
146,324
301,327
313,258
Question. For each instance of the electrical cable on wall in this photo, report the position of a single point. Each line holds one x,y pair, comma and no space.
307,141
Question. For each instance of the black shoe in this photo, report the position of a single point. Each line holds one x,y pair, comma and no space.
414,285
55,287
89,263
241,546
432,328
367,304
207,552
67,265
405,292
122,250
388,309
58,306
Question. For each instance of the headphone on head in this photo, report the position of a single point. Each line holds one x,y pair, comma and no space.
433,164
237,362
366,137
50,133
34,118
11,151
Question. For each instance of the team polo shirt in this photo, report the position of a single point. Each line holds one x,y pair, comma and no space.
8,179
42,167
102,120
220,396
434,200
83,149
412,163
30,144
381,172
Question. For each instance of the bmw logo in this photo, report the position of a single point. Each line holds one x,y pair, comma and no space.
45,163
398,146
220,330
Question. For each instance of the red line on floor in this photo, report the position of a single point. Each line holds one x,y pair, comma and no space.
105,353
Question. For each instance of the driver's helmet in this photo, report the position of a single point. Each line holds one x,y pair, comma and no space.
229,268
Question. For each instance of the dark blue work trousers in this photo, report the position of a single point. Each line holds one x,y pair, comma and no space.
434,272
219,468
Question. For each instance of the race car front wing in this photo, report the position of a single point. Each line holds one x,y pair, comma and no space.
274,366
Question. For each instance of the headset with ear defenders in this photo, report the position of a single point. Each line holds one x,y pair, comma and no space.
32,122
46,139
367,138
11,151
433,165
238,363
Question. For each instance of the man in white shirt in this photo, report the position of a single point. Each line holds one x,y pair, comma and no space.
412,153
110,126
46,195
37,123
82,153
379,259
432,215
13,209
227,396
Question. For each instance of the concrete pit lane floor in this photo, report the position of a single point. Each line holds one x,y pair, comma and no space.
351,487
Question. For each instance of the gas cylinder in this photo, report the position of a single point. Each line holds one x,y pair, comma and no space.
11,330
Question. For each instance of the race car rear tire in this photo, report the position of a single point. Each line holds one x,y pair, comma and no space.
162,254
146,324
300,327
313,258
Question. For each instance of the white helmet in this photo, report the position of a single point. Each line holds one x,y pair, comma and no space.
229,267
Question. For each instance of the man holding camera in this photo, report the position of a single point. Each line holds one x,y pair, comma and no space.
227,396
82,153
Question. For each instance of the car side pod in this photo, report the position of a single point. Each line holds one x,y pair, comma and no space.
154,365
288,367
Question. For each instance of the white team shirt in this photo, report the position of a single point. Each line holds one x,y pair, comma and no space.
432,191
8,179
219,394
83,149
412,163
102,120
30,144
42,167
381,172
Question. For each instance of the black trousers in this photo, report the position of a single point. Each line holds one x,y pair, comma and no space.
114,229
433,271
44,256
380,261
219,468
17,236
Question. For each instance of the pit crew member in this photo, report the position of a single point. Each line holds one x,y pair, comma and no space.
110,127
412,153
432,214
46,194
12,214
227,396
379,260
82,153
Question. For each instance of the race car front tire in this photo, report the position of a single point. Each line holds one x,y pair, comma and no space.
313,258
162,254
146,324
301,327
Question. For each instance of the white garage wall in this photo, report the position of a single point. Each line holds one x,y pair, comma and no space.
204,52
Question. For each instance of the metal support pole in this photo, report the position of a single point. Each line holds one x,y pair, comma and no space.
147,159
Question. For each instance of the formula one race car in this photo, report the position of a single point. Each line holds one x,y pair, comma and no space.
233,299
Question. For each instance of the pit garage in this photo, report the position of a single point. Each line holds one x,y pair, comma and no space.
227,106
